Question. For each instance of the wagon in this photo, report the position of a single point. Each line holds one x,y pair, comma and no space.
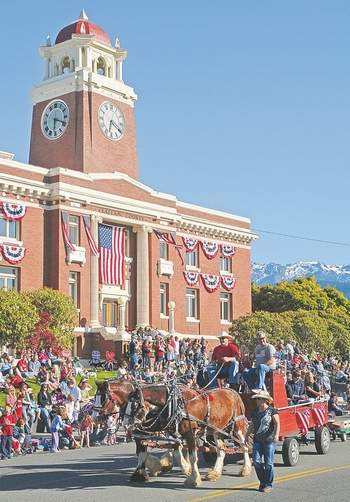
296,420
339,427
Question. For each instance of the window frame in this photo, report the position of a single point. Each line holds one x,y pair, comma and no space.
7,276
163,299
110,316
8,223
163,250
74,225
192,254
192,295
225,260
225,303
76,282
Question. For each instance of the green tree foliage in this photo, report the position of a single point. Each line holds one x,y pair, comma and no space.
18,317
318,319
63,314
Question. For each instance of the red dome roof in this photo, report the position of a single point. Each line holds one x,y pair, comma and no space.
83,27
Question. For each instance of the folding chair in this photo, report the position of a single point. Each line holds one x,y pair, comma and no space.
95,360
110,361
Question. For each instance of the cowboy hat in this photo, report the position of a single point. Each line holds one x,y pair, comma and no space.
224,334
263,394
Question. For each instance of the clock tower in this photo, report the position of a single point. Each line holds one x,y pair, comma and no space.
83,112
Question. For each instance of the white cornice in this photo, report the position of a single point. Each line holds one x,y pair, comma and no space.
24,167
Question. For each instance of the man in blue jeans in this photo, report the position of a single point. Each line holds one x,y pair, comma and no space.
265,425
265,362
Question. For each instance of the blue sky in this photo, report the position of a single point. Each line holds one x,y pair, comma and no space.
243,106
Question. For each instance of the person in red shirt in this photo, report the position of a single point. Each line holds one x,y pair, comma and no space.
7,421
226,354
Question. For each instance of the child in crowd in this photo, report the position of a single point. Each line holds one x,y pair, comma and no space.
56,426
111,429
86,428
7,421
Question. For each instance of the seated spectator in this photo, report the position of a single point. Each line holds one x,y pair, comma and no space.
34,365
312,389
14,379
45,406
5,364
265,363
11,397
333,406
58,398
295,388
22,367
341,376
85,389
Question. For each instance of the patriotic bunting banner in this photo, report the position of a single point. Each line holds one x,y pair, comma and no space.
65,231
320,416
210,249
211,282
14,212
303,420
191,278
228,250
228,282
13,254
91,240
112,254
190,243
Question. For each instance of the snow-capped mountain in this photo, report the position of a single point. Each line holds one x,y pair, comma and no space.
337,276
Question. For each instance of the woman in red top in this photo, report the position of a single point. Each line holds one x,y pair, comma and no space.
7,421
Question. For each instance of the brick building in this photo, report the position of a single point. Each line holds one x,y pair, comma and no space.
83,161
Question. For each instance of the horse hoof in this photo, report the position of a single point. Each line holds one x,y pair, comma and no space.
192,483
138,477
212,476
245,472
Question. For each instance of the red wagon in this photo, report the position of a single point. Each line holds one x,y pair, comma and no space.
296,420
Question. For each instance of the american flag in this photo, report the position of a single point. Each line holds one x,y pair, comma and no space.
92,243
65,230
112,254
170,238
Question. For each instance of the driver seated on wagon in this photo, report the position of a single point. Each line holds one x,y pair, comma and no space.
226,356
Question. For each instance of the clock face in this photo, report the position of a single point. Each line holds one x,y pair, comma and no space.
54,120
111,121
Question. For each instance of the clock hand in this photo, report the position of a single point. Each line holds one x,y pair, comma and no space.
115,125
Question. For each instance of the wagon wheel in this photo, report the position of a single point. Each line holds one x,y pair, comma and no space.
322,440
343,436
290,452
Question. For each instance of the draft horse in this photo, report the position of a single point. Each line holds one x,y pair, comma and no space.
183,413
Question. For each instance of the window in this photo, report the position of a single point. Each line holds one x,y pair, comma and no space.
225,306
163,250
101,66
73,229
164,298
74,287
110,314
9,229
225,264
66,65
9,278
192,258
191,303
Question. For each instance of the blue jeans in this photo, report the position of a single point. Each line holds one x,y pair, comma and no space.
133,361
255,377
45,417
264,468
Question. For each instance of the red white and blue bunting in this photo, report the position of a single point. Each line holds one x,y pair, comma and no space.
211,282
14,212
13,254
191,278
190,243
210,249
228,250
228,282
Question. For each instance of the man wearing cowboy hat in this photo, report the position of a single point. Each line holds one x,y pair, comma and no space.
226,355
265,425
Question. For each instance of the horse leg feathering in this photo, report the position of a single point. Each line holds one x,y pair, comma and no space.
247,464
216,472
184,464
194,480
140,474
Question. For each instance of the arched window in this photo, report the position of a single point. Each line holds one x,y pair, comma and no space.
66,65
101,66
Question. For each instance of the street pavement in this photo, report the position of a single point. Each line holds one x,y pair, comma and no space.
101,474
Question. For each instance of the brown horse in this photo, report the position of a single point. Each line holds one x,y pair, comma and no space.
197,413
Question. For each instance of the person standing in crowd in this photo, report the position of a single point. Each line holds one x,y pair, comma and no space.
7,421
57,425
86,428
265,425
133,358
159,353
265,363
226,355
45,403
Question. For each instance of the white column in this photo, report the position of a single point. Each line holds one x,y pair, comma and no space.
142,276
122,317
94,276
171,307
119,69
